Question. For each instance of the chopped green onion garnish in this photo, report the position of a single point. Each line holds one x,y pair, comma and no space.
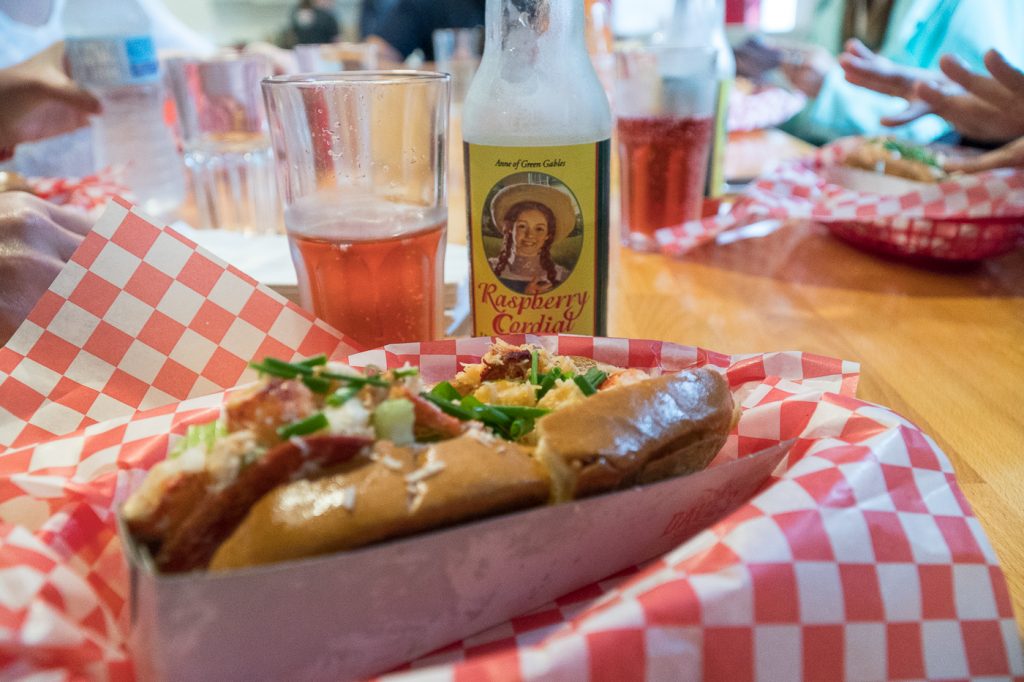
283,366
406,372
485,413
317,384
548,382
355,380
264,368
314,361
595,377
342,396
303,426
448,407
445,390
519,428
520,412
584,385
534,378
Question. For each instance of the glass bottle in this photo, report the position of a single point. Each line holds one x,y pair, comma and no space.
536,129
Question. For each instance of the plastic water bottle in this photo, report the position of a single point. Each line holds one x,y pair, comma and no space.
110,51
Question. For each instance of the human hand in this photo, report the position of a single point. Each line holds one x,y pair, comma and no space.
36,240
755,58
986,108
40,100
872,71
1007,156
806,69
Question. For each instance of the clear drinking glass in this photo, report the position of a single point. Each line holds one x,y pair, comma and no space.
665,118
457,52
331,57
362,169
227,147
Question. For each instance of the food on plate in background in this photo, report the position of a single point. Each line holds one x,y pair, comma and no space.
318,457
897,158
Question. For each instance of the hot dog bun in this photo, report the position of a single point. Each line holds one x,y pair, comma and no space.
638,433
653,429
324,460
464,478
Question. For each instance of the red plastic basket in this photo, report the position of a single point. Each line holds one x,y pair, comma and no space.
965,239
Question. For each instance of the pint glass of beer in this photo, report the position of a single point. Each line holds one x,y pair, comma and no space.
361,160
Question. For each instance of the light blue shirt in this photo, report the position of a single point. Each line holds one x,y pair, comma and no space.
920,32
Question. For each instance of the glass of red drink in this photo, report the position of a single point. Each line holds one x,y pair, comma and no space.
362,164
664,110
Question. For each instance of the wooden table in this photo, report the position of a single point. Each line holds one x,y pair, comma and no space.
944,348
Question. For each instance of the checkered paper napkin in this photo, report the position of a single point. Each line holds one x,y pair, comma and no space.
801,190
860,558
90,193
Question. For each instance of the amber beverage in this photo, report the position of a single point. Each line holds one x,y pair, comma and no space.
664,166
375,271
365,197
665,105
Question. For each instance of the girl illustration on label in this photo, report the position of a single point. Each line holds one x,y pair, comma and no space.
532,219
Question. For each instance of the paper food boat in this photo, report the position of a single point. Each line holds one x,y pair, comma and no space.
366,611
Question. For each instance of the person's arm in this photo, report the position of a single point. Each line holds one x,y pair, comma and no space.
1007,156
918,35
984,108
40,100
842,108
36,240
755,58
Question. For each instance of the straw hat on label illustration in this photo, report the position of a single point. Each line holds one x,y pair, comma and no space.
560,203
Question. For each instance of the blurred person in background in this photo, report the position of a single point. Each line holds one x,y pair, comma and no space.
28,27
371,14
40,102
313,22
910,33
985,109
410,24
52,105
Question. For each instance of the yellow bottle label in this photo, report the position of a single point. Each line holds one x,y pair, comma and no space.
538,238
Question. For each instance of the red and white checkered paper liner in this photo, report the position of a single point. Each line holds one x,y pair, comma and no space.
141,317
799,189
861,558
89,193
762,108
